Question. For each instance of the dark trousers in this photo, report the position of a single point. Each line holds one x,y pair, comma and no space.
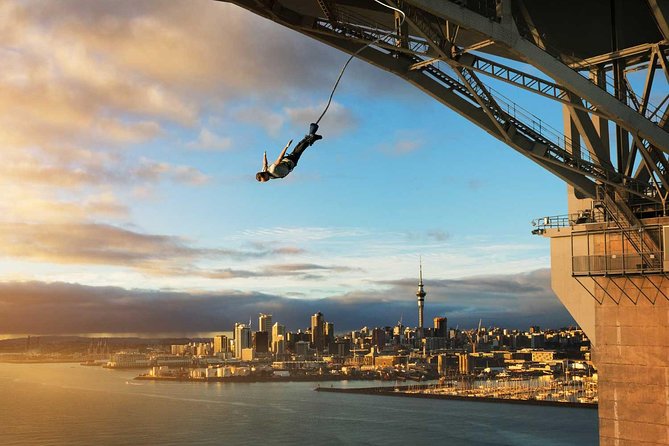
301,146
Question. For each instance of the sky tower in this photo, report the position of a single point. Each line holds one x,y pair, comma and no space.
420,294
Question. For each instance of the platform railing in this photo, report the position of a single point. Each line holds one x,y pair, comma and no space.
617,264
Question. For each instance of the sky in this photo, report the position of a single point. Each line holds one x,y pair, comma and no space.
131,132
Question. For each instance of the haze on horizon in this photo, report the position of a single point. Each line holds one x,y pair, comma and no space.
131,133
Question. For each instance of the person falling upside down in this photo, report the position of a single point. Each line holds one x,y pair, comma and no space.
285,164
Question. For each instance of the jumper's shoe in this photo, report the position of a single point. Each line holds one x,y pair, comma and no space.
312,138
313,128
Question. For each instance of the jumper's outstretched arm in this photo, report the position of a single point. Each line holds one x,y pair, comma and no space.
264,161
283,152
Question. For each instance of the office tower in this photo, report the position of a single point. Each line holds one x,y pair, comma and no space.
265,324
242,339
318,331
378,337
277,330
279,345
440,327
261,341
329,332
220,344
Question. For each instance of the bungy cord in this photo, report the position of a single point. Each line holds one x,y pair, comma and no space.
341,73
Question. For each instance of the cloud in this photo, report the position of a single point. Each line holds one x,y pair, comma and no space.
158,255
302,271
262,117
337,120
288,250
210,141
91,244
438,235
152,171
514,301
405,142
302,268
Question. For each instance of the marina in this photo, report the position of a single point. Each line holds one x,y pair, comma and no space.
546,392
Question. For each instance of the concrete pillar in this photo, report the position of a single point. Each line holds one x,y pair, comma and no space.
630,323
632,358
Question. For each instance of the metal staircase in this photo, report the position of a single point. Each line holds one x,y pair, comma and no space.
642,241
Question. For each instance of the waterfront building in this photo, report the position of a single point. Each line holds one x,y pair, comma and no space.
179,349
534,355
203,349
386,361
172,361
122,360
248,354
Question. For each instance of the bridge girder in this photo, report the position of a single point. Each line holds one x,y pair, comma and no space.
450,34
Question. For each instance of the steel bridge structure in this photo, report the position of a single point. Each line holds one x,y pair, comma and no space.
605,64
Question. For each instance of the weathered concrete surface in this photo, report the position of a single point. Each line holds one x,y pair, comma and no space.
632,357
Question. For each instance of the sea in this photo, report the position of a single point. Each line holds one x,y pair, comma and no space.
69,404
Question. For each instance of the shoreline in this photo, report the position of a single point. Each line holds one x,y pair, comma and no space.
254,379
390,391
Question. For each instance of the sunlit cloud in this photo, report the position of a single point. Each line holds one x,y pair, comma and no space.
337,120
402,145
209,141
263,117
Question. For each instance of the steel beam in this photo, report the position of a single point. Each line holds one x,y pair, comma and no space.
589,134
660,13
447,96
570,79
626,53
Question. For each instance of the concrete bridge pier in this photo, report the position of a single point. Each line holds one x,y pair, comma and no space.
625,313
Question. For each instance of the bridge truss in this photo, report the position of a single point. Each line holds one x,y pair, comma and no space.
617,147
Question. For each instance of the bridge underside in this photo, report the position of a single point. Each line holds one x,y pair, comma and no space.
604,62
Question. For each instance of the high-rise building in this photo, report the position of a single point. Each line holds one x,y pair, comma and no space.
329,332
277,330
220,344
279,345
318,331
302,348
260,341
378,337
242,339
265,324
420,294
440,327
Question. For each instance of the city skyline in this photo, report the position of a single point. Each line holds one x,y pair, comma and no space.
166,312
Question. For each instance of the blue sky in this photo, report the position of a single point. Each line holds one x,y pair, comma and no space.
133,131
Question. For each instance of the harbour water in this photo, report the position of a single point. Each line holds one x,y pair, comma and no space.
67,404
